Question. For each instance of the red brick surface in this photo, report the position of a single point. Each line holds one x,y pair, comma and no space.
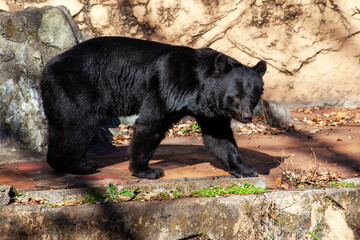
12,176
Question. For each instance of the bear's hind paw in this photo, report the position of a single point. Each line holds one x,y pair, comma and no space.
246,171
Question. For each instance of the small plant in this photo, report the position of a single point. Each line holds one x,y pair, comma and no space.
112,196
50,204
128,193
14,194
164,195
342,184
193,127
314,234
88,198
124,195
178,194
184,130
112,193
232,189
112,189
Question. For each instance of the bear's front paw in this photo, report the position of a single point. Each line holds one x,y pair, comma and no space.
151,173
244,171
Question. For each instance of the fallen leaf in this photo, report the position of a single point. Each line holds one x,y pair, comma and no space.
278,181
340,116
124,198
285,186
307,110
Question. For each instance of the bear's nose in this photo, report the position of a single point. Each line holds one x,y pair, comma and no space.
247,117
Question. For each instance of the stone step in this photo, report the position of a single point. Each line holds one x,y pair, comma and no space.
327,213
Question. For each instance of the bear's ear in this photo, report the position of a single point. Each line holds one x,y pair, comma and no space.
260,68
221,64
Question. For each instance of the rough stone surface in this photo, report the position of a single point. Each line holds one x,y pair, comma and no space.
276,215
55,29
5,195
57,196
312,47
28,39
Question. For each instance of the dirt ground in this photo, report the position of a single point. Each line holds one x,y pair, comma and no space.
323,148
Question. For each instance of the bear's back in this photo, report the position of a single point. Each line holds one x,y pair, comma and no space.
131,51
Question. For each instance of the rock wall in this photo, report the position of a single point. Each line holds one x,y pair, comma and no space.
312,46
28,39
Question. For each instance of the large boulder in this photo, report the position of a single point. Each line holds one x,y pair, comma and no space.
28,39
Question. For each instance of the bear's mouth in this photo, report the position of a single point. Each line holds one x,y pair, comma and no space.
239,117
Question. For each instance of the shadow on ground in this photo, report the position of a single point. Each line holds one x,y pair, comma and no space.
170,157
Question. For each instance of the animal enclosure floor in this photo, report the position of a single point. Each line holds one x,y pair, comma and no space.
327,140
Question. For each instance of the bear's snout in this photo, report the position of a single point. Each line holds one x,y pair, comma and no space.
246,116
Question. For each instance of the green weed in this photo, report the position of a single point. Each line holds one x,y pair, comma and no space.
342,184
88,198
112,189
112,192
123,195
184,130
14,193
128,193
164,195
314,234
178,194
193,127
246,188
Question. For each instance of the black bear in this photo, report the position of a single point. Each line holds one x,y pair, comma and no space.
161,83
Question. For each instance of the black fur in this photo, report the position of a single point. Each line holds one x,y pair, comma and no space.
159,82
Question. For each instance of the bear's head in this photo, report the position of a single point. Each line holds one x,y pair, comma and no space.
239,87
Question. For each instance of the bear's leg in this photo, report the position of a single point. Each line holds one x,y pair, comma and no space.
146,139
77,137
219,141
55,148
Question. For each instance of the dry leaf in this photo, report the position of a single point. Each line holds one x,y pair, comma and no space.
307,110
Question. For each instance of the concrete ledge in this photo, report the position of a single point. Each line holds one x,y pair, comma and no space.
56,196
189,184
333,213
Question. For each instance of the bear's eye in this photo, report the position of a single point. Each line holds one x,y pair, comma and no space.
236,98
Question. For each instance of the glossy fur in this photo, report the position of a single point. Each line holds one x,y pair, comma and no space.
159,82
